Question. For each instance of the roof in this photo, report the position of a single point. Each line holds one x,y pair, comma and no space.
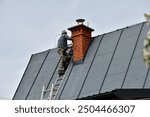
113,61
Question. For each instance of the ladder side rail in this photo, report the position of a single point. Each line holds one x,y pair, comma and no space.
56,80
51,92
50,97
52,88
61,83
59,86
42,94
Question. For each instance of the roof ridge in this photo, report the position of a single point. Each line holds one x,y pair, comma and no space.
98,35
129,26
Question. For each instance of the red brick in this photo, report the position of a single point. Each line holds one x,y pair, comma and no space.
81,35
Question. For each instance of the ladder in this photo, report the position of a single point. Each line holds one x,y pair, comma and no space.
53,91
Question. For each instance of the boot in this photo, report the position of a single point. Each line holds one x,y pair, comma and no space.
61,71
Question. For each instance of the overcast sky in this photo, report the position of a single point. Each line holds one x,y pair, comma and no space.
31,26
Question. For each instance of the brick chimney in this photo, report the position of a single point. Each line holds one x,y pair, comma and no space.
81,36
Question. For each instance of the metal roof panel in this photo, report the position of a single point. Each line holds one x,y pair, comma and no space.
113,60
30,75
45,75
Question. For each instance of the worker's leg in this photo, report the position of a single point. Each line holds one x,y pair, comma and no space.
66,59
62,67
62,54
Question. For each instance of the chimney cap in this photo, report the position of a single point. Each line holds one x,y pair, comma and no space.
81,25
80,21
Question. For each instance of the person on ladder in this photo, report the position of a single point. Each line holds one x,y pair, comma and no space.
62,47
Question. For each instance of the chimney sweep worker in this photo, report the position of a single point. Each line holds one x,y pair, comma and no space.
62,47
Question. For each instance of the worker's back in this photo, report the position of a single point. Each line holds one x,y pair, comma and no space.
62,42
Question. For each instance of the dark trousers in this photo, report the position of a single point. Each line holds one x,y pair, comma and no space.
64,57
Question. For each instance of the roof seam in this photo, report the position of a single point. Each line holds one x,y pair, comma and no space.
53,74
23,76
71,62
146,78
37,74
132,55
111,61
90,65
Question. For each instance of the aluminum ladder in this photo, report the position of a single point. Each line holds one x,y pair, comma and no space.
53,91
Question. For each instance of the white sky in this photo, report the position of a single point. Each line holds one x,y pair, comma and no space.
32,26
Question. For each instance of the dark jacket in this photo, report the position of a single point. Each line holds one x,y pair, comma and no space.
62,42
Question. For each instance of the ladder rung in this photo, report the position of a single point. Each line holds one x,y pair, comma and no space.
56,84
47,90
59,79
53,95
55,89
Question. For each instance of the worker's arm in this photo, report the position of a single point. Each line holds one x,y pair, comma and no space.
68,38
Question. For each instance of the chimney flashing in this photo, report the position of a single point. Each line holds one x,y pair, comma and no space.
78,62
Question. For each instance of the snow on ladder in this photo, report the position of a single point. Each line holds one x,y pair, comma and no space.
54,89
